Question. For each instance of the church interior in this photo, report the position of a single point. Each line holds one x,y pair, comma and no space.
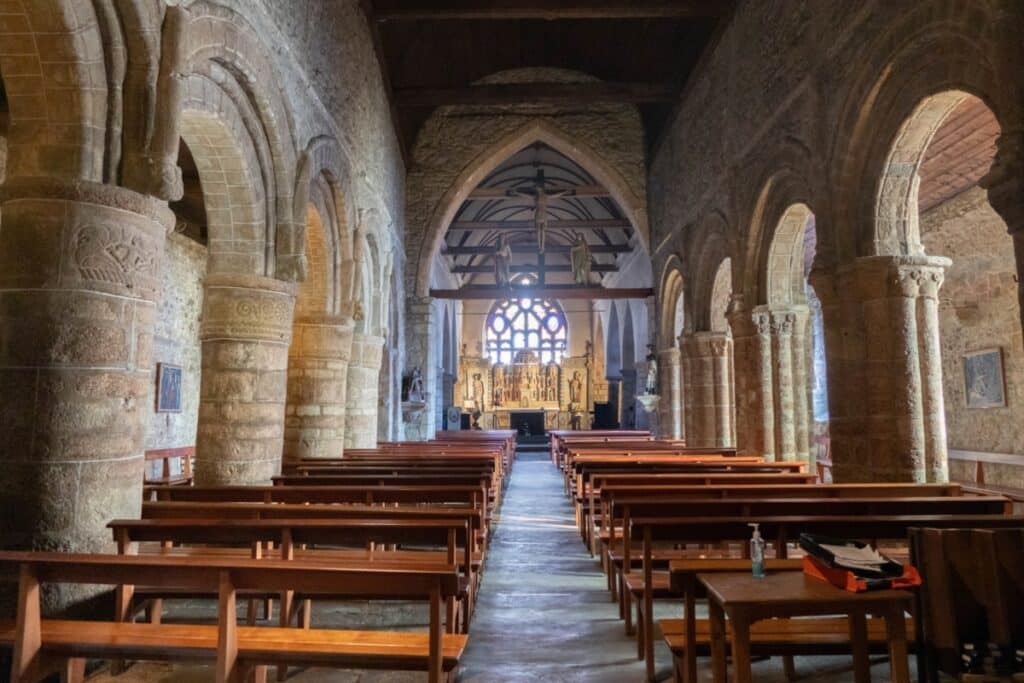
511,341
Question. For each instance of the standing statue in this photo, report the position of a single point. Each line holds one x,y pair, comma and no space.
499,385
575,388
502,263
540,209
651,387
579,255
552,388
415,385
478,391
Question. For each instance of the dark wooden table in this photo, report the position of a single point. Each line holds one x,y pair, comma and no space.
683,581
790,594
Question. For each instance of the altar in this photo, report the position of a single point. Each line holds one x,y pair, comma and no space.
526,392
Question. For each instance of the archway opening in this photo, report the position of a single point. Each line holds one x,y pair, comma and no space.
951,138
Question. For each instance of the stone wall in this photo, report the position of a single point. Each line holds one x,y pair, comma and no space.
978,310
176,339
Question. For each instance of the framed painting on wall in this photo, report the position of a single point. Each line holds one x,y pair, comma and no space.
984,384
168,388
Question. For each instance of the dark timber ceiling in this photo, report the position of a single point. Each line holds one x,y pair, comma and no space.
643,51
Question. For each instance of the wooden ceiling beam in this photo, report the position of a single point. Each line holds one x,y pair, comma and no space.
532,249
484,292
596,224
485,193
537,93
552,268
416,10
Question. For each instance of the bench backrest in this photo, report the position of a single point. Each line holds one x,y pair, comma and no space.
466,495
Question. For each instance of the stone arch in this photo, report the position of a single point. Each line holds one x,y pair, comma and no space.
58,126
323,178
711,249
874,179
314,295
536,131
228,165
226,49
784,274
672,303
721,292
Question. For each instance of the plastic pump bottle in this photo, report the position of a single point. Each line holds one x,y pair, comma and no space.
757,552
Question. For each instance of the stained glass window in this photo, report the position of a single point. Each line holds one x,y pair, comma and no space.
526,324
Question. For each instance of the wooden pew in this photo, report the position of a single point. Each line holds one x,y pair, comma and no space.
561,436
166,456
777,531
329,541
238,651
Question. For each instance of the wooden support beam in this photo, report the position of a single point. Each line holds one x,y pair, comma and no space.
537,93
547,268
416,10
532,249
609,224
548,291
485,193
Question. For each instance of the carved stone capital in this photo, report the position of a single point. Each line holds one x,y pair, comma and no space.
247,308
322,337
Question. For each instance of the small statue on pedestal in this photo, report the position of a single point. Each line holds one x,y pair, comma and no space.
651,386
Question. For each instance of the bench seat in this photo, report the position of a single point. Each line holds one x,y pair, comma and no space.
258,646
829,635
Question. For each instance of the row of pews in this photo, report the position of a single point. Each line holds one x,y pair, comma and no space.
669,522
401,522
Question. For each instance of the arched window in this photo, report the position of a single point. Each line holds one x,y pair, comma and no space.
536,325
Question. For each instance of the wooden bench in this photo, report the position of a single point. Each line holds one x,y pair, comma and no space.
167,456
41,645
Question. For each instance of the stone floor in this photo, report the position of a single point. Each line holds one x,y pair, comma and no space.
544,612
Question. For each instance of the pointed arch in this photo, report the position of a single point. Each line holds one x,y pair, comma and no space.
485,163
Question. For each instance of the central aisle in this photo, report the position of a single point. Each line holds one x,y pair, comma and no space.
544,612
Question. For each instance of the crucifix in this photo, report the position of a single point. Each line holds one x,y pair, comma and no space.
540,210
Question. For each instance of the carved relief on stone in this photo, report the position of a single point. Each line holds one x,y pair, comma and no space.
107,254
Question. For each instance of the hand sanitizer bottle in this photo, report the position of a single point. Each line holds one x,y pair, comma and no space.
757,552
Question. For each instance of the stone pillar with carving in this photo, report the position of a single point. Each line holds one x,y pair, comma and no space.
317,380
362,391
79,279
246,333
708,378
772,406
670,419
885,368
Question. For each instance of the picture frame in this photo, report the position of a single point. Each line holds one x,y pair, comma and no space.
984,379
168,388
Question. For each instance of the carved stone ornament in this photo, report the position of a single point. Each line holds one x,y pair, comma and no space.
105,254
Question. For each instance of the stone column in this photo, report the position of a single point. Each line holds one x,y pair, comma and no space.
708,377
79,279
363,388
882,337
1005,185
246,333
421,348
671,407
317,377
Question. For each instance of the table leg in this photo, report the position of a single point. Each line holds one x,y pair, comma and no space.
690,598
896,632
859,646
740,648
717,622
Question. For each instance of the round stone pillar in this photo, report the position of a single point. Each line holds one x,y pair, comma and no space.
317,380
671,406
707,367
246,332
362,390
79,281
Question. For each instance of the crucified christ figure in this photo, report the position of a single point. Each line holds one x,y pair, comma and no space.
540,209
